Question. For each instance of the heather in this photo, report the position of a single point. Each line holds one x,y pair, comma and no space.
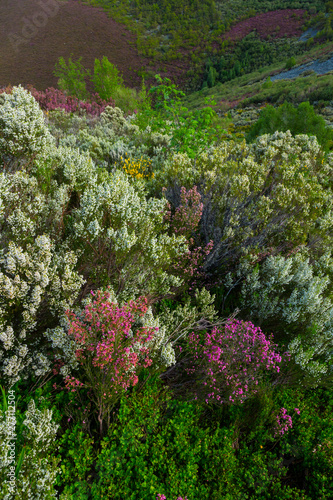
165,296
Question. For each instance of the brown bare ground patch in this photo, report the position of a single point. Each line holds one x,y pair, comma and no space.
73,28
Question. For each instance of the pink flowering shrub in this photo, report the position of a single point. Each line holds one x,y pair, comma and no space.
276,24
53,99
110,355
283,423
229,363
188,214
183,223
160,496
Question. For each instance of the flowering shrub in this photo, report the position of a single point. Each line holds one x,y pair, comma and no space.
123,239
36,475
184,222
139,168
292,296
271,193
188,214
109,353
283,423
22,127
229,363
52,99
32,280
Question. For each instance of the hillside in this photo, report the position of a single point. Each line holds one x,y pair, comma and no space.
32,41
191,43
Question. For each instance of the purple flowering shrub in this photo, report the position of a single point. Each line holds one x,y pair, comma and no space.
160,496
283,423
52,99
228,363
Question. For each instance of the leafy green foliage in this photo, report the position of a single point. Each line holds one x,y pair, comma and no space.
106,78
290,63
72,77
300,120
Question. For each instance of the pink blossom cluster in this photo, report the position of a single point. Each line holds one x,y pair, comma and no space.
72,383
53,99
160,496
110,354
277,24
184,222
189,212
230,362
283,422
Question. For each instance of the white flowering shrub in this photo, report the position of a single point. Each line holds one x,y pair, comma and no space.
273,193
61,218
39,468
36,286
22,126
110,137
292,296
123,239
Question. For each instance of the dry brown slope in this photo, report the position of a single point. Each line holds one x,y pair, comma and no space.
28,53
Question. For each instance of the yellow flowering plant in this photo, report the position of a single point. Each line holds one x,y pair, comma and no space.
137,168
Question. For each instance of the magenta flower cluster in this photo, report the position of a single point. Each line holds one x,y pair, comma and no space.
283,422
230,362
160,496
53,99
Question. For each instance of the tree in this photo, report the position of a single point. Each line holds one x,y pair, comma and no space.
212,74
106,78
72,77
290,63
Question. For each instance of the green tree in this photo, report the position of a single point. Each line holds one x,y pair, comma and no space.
211,78
106,78
290,63
72,77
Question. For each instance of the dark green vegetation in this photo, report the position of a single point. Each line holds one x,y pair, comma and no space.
300,120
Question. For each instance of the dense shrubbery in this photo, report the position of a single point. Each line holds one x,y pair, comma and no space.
113,230
300,120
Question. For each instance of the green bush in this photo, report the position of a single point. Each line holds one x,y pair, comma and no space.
290,63
106,78
72,77
299,120
34,464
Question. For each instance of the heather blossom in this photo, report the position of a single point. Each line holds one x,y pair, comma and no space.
160,496
229,363
283,422
109,352
184,222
